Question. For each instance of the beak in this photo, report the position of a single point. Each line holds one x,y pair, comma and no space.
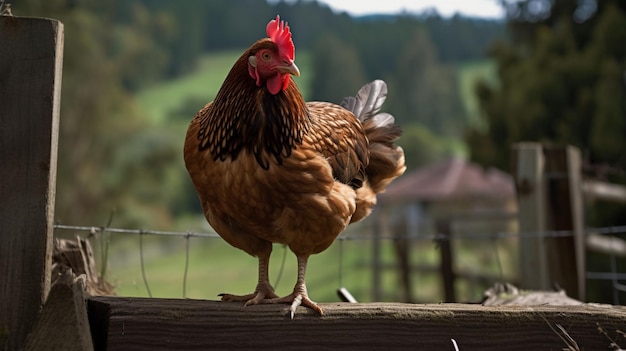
290,68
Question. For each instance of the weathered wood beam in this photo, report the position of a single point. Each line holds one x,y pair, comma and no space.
565,255
549,197
176,324
31,53
63,323
528,167
608,245
604,191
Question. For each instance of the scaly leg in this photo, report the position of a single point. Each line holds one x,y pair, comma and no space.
264,289
299,296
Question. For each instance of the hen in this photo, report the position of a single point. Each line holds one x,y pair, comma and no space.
270,168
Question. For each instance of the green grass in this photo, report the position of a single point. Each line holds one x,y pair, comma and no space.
216,267
204,82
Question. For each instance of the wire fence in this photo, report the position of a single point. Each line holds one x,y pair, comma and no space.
610,230
613,275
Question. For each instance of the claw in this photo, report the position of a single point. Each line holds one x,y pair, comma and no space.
294,300
297,301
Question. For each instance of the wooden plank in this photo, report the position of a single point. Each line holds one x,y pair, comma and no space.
577,218
379,230
566,254
596,190
63,323
548,183
528,170
608,245
177,324
30,81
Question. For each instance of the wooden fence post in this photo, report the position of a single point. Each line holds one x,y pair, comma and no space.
566,254
380,224
528,170
446,264
31,52
549,193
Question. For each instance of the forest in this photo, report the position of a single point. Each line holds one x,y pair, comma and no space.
552,70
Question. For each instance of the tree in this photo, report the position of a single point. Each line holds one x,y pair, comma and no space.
337,59
108,158
561,79
141,45
422,147
424,91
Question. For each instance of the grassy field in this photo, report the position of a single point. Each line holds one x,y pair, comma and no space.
205,81
215,267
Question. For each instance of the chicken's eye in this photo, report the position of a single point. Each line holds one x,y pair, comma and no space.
266,56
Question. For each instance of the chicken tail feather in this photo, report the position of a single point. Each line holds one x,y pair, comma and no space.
386,159
367,101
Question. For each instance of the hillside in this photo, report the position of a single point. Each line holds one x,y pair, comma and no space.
160,100
163,99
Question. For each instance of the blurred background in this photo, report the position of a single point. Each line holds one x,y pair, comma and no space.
464,86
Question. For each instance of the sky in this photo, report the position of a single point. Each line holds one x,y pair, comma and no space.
474,8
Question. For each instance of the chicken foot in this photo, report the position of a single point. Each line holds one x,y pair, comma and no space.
263,291
299,296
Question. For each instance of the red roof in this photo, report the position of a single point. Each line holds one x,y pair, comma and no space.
451,179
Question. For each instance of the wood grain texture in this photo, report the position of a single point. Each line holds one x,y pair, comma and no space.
176,324
528,164
63,324
30,83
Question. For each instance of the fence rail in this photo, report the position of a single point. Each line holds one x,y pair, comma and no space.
604,191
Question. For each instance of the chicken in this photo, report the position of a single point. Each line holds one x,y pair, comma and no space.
270,168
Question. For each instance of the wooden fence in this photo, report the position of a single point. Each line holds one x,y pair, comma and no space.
553,240
551,196
30,71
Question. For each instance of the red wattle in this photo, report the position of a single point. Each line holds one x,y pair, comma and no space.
275,84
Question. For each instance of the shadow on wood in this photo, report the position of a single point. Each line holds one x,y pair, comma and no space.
176,324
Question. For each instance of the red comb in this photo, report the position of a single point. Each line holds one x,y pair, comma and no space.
279,32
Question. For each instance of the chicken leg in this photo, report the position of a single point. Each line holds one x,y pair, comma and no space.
299,296
264,289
